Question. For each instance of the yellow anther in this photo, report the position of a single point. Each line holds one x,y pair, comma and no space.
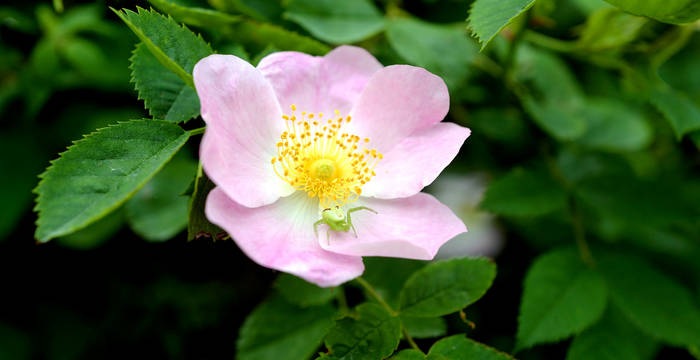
321,163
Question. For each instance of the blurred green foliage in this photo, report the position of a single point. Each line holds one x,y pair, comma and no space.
585,116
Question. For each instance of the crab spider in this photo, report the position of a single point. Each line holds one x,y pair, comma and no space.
337,220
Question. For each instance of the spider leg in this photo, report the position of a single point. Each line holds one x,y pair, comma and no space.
350,218
361,208
316,224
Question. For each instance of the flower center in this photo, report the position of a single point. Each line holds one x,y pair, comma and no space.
315,156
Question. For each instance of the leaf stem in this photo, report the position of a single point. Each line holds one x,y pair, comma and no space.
197,131
370,290
342,301
574,212
580,233
548,42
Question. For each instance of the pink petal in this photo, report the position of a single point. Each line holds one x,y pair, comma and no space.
398,101
416,161
244,122
414,227
280,236
319,84
294,78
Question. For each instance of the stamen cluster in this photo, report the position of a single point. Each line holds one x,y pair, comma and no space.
313,155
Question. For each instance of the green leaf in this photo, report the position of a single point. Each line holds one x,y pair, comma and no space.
175,46
101,172
372,333
388,275
679,110
442,49
421,327
638,202
95,234
408,354
198,225
613,125
165,95
14,343
193,14
503,125
656,303
444,287
269,10
277,329
668,11
550,93
488,17
264,34
612,338
524,193
561,297
458,347
609,29
337,22
300,292
159,210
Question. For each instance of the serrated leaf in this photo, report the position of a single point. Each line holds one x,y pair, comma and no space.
444,287
458,347
372,333
488,17
100,172
524,192
613,125
277,329
679,110
158,211
422,327
198,225
668,11
300,292
265,34
612,338
561,297
165,95
550,93
193,14
175,46
654,302
442,49
338,22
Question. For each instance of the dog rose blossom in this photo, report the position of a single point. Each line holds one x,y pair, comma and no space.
298,134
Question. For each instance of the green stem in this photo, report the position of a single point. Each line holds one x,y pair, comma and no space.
373,293
370,290
548,42
410,339
580,233
574,212
342,301
197,131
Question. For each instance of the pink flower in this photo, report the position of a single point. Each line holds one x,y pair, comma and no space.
301,133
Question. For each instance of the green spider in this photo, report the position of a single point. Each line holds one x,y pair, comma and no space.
337,220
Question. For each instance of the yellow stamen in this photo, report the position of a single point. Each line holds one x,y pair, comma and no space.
323,161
